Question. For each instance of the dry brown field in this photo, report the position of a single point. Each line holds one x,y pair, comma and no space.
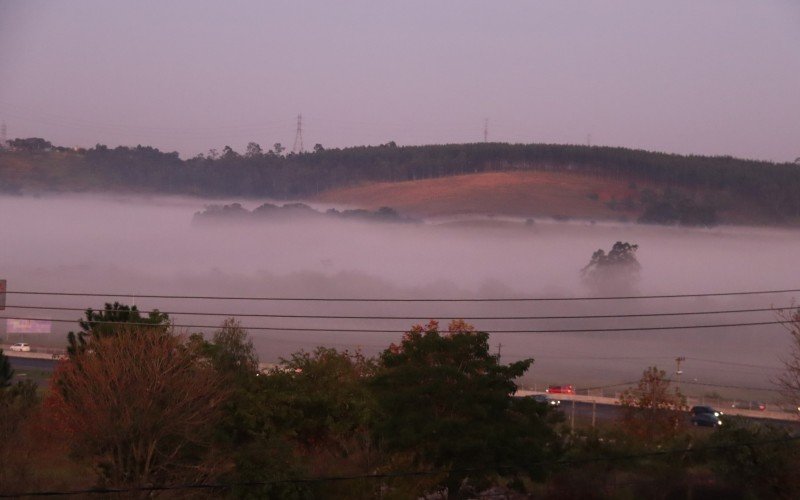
518,194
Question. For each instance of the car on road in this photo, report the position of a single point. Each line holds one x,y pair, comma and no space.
699,410
545,399
561,389
706,420
21,347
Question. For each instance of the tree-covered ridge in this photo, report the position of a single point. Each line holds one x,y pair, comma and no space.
35,165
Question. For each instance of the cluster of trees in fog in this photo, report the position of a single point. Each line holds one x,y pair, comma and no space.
269,211
141,407
34,164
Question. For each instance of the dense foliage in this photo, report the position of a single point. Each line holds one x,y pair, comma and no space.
140,408
448,403
436,415
35,165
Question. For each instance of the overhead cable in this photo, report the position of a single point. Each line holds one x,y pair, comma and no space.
376,330
374,299
417,317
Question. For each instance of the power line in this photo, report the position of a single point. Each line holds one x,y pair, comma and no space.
724,386
56,119
417,317
732,363
401,474
373,330
607,386
345,299
645,358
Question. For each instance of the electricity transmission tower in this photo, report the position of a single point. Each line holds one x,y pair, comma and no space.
298,136
486,130
3,135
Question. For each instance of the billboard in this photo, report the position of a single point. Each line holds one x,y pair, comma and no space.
28,326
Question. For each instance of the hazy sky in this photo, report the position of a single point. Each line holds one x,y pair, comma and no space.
706,77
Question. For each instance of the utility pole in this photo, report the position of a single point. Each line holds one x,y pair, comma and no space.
678,371
485,130
298,136
499,349
678,361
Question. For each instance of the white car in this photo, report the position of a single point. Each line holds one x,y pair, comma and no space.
21,347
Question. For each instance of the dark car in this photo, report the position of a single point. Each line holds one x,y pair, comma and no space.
544,399
700,410
706,420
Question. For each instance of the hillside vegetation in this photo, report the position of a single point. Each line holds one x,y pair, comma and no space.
578,180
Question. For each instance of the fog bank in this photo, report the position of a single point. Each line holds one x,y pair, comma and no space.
131,247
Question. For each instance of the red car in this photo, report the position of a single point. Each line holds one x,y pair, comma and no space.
561,389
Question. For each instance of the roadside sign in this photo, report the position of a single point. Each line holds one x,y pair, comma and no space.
2,294
28,326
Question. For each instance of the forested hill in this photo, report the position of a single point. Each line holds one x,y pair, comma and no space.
34,165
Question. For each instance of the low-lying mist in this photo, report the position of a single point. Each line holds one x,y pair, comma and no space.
129,247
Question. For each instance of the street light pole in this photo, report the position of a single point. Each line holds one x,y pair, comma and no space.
678,371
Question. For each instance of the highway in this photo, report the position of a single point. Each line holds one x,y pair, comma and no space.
604,412
24,364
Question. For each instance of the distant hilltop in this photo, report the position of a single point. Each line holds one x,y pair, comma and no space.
607,182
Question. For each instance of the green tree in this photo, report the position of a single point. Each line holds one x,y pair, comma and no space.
330,402
31,144
247,433
229,154
106,322
314,409
446,401
231,351
614,272
253,150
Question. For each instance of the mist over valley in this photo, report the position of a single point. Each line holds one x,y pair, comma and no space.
131,246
